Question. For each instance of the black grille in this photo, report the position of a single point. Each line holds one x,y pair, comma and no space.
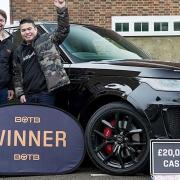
173,121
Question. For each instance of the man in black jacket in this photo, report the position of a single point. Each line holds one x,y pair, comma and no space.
37,64
6,88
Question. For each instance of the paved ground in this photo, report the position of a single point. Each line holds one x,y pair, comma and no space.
81,174
87,171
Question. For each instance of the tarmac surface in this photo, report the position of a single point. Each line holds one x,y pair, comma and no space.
83,173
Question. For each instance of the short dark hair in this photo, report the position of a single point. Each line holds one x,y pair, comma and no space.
27,20
3,14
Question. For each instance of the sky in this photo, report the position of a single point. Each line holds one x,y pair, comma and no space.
6,7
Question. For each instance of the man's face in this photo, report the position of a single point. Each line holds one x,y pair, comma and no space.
2,22
28,32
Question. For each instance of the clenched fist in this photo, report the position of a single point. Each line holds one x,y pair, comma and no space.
60,3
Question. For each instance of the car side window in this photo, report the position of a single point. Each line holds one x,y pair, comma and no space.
16,38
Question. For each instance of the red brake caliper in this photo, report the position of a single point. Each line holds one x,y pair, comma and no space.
108,133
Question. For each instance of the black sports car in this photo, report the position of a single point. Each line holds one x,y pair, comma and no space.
121,97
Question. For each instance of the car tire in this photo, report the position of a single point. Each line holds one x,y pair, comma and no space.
117,139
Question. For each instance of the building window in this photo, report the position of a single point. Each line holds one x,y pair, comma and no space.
176,26
161,26
122,27
141,27
146,25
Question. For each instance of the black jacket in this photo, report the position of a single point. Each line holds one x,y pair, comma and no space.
6,63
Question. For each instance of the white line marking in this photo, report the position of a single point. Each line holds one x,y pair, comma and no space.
94,175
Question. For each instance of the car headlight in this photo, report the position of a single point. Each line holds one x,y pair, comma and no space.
163,84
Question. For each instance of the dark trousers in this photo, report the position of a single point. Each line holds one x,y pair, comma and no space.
3,96
41,98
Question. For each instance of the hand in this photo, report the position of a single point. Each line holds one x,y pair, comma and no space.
23,99
60,3
10,94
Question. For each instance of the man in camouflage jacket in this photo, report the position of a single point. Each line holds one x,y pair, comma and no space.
37,65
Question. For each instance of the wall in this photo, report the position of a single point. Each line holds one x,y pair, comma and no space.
97,12
160,48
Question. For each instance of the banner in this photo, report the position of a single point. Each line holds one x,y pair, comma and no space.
36,139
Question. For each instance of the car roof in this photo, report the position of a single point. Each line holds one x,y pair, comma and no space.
16,24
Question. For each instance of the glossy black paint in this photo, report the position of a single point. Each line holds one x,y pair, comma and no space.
94,84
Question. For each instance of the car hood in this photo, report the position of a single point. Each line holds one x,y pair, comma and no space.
145,68
144,63
128,68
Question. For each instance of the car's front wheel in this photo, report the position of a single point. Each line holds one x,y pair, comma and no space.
117,139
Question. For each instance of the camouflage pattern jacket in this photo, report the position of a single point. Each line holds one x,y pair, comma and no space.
48,56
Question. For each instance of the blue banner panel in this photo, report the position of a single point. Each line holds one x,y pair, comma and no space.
37,139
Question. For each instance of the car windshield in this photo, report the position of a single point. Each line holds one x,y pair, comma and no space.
96,44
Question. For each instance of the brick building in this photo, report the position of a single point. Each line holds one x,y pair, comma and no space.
101,12
98,12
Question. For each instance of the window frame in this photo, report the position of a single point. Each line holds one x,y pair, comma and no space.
122,27
151,20
141,26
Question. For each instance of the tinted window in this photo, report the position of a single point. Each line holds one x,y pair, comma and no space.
162,26
176,26
119,27
17,39
137,26
145,27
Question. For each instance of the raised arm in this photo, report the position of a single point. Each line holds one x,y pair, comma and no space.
62,30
